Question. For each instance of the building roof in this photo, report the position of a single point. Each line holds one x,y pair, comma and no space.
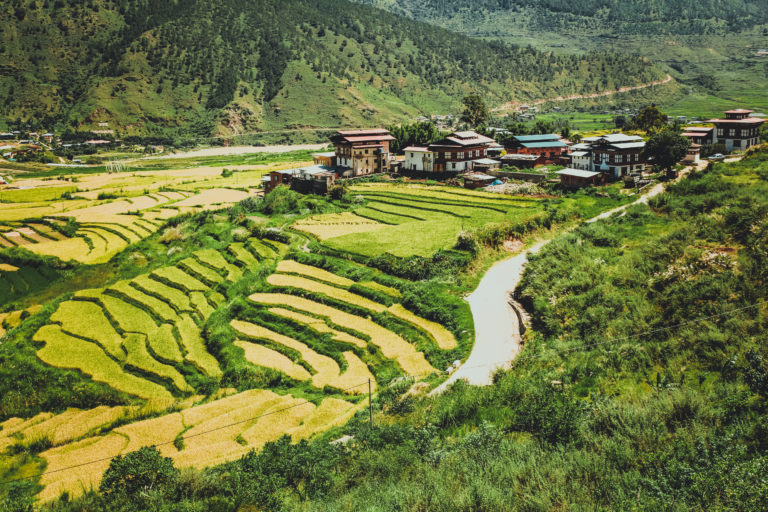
520,156
748,120
314,170
465,139
698,128
478,176
486,161
580,153
537,138
327,154
577,173
545,144
417,149
693,134
364,131
738,111
629,145
368,138
614,137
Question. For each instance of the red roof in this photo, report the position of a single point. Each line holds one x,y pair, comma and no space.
749,120
693,134
415,148
366,131
738,111
369,138
698,129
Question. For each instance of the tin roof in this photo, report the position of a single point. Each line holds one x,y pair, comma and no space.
545,144
537,138
577,173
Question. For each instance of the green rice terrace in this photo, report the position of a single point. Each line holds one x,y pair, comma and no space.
208,323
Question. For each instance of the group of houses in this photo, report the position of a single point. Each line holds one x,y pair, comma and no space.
475,157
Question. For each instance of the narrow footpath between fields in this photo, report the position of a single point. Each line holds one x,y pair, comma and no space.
497,328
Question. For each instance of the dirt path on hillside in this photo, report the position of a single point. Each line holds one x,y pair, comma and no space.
511,105
497,328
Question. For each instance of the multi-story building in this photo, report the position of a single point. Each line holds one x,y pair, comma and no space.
419,158
456,152
701,135
615,155
738,131
550,146
360,152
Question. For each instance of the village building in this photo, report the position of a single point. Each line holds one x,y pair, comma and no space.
521,161
276,178
701,135
738,131
327,158
485,165
360,152
316,179
577,178
457,151
616,154
476,180
419,158
550,146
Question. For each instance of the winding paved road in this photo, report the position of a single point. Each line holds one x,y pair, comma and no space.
497,329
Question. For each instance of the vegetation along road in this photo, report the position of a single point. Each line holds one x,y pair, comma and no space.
512,105
497,327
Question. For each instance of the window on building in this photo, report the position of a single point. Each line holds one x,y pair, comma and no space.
453,166
619,158
731,132
720,132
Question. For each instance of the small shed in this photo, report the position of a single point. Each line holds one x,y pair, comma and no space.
485,164
521,161
477,180
577,178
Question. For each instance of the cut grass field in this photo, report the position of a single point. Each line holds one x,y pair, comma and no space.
212,433
327,371
392,345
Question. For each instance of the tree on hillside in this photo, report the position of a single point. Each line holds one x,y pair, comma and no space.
475,112
666,148
416,134
650,119
132,475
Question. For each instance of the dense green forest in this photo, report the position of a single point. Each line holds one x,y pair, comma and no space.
196,67
642,386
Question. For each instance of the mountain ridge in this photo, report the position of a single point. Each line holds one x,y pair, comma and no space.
195,68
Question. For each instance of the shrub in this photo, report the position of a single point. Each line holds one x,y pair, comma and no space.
134,474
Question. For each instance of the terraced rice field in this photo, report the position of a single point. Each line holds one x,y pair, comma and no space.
404,219
141,336
212,433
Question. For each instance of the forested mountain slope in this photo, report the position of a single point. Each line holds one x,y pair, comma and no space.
599,16
193,66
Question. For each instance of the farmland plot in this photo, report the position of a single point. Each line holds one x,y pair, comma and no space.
212,433
414,219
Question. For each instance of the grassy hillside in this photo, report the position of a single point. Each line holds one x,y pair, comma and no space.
708,46
641,386
195,67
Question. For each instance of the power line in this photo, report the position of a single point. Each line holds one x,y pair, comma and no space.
411,376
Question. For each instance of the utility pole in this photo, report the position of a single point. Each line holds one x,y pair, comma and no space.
370,405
